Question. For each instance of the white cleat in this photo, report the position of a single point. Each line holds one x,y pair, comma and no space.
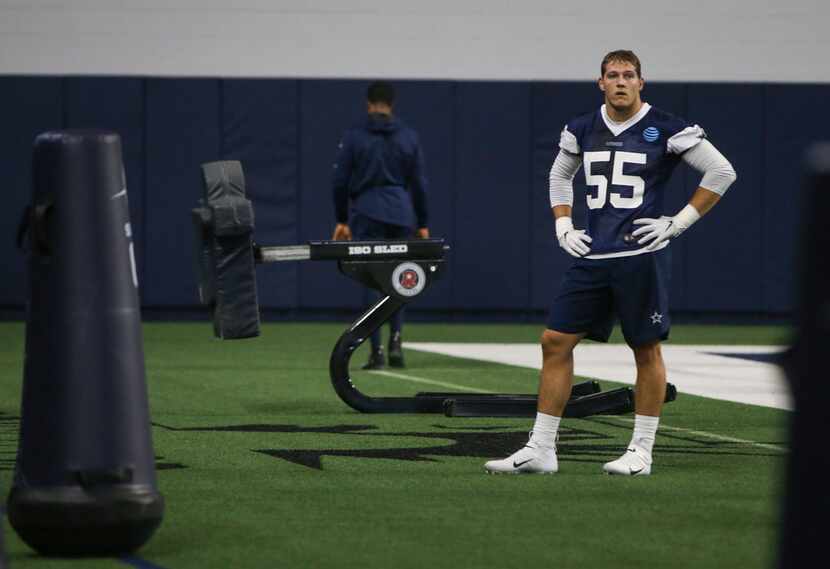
530,459
635,462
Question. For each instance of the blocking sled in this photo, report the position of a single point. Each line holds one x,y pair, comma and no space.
401,271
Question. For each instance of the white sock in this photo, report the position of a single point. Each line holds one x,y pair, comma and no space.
645,431
544,430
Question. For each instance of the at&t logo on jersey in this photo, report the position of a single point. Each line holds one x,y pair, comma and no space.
408,279
651,134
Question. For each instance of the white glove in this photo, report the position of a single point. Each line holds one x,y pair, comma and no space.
664,228
574,242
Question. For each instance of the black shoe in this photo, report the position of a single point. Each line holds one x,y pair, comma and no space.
395,351
376,360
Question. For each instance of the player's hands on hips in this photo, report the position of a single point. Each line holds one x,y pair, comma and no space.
656,231
575,242
342,232
665,228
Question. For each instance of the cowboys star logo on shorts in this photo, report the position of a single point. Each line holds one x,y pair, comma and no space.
408,279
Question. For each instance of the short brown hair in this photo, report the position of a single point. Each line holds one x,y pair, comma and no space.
623,56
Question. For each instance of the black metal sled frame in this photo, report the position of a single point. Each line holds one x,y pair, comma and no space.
613,402
372,263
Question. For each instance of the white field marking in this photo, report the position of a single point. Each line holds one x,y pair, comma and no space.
696,370
707,435
431,382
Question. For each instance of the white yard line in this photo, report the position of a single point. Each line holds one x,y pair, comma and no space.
431,382
707,435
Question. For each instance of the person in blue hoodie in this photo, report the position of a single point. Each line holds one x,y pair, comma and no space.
380,192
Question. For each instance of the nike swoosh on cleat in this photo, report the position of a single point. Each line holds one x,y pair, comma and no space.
518,464
633,472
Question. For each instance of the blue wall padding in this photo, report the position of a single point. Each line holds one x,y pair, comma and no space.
492,155
29,106
488,149
115,104
724,249
327,108
428,106
793,117
260,126
183,131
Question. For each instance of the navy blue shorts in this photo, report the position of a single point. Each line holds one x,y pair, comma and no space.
595,291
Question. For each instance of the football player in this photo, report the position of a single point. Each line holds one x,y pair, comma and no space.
628,150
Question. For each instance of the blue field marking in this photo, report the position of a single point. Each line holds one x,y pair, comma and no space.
139,563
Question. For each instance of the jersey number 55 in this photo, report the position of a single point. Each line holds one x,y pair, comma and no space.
600,181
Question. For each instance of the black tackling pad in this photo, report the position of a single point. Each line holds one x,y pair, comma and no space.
224,225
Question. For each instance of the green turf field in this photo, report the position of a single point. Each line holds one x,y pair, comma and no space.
262,465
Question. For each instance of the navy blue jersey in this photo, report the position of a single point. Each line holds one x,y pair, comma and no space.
627,166
379,169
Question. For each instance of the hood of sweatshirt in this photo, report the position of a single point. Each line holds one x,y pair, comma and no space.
380,123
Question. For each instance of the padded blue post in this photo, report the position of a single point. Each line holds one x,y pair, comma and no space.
806,498
85,474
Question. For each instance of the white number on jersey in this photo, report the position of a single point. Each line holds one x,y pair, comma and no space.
599,181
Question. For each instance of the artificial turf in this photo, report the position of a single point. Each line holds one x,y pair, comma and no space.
262,466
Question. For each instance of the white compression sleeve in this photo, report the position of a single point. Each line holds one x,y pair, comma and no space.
718,173
560,180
